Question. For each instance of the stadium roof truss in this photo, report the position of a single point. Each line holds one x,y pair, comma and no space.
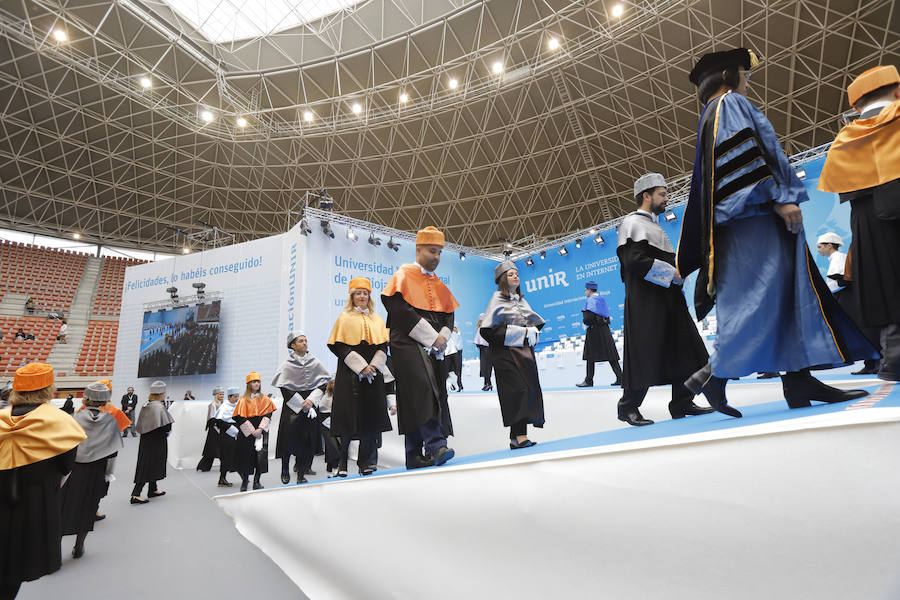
547,146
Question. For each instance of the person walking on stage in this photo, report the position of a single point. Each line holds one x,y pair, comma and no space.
598,341
211,446
863,166
129,404
37,449
227,431
359,410
253,415
154,424
302,379
420,318
453,355
512,329
743,232
484,357
662,345
93,469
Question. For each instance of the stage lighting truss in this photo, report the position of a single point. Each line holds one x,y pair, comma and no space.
176,301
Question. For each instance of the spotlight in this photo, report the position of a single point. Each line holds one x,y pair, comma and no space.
393,245
59,35
307,116
326,228
669,216
200,287
241,122
351,235
304,226
578,242
206,116
530,262
374,240
404,97
146,82
497,67
185,250
452,83
462,256
76,236
801,174
325,201
173,292
599,240
507,245
553,43
507,253
593,230
356,108
543,254
618,10
562,251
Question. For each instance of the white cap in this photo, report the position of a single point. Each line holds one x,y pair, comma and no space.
830,238
648,182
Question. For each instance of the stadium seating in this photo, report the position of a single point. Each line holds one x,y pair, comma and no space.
13,354
108,299
50,276
98,351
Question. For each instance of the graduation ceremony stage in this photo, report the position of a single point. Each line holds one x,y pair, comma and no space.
781,503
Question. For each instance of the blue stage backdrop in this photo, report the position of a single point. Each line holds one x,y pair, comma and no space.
554,286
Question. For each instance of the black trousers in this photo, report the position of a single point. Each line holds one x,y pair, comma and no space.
368,451
613,363
139,487
632,398
517,429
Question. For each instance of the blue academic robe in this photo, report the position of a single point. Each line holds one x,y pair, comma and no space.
774,310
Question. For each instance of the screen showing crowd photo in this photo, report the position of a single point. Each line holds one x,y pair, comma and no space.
180,341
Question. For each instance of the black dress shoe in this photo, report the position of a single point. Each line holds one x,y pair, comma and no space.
713,388
285,478
310,472
139,500
99,517
443,454
616,383
800,388
515,445
257,485
366,471
585,383
689,410
156,494
77,552
635,418
865,371
224,482
487,388
417,462
302,479
243,486
768,375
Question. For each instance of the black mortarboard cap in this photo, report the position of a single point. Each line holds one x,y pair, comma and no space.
719,61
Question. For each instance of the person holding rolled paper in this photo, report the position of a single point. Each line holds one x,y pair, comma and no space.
359,410
253,415
227,431
302,379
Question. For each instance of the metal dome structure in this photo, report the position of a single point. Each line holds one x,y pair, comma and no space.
134,122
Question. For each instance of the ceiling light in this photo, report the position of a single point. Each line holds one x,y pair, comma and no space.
553,43
452,83
404,97
593,230
543,254
562,251
307,116
462,256
356,108
670,216
351,235
374,239
530,262
618,10
77,236
185,250
599,240
146,82
497,67
578,242
326,228
206,116
59,35
241,122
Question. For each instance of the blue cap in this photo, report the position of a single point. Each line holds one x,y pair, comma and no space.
590,285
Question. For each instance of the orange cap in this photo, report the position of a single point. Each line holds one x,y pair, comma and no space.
33,376
430,236
253,376
106,382
360,283
871,80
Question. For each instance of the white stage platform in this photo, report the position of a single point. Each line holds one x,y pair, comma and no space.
780,504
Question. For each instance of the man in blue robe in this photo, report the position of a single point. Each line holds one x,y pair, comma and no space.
598,341
743,231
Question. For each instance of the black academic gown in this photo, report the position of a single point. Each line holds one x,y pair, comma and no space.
359,408
152,453
211,449
30,521
875,225
247,458
598,341
226,445
81,495
662,345
421,378
297,433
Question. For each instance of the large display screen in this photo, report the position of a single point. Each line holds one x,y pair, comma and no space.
180,341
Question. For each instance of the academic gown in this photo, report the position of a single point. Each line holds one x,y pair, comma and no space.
211,449
518,386
598,341
226,444
247,458
662,345
359,408
774,310
421,377
154,424
30,521
296,431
